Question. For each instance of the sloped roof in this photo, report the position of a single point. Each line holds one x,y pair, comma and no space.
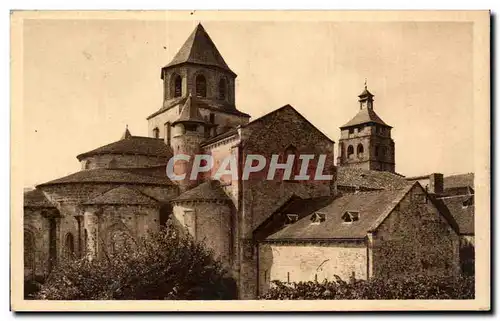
365,93
199,49
122,195
372,207
190,112
209,104
102,175
463,215
460,180
36,198
133,145
207,191
369,179
365,116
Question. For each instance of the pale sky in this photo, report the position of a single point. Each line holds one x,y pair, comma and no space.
85,79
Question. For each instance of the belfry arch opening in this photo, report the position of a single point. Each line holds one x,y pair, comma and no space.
201,86
177,86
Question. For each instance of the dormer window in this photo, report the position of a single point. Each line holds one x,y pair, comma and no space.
291,218
318,218
350,216
468,202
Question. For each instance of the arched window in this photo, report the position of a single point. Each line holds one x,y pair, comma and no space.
350,151
201,86
383,151
177,86
29,250
360,150
222,89
87,164
156,133
69,245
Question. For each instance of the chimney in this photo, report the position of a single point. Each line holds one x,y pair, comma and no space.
436,184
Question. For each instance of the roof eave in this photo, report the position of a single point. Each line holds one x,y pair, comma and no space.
179,64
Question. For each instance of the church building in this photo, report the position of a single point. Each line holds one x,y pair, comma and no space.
260,229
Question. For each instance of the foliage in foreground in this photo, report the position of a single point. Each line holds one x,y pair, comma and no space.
166,265
419,288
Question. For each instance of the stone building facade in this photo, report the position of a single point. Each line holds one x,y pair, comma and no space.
384,233
122,190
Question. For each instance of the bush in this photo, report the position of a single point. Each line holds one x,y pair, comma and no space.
419,288
165,265
32,286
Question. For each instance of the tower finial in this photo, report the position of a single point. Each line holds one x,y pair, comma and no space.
365,83
127,133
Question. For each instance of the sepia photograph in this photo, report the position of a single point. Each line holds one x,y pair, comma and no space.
171,160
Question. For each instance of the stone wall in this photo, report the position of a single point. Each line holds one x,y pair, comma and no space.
415,239
38,226
295,262
189,74
210,223
260,197
101,222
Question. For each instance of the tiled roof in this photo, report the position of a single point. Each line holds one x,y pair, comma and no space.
207,191
461,180
463,215
199,49
122,196
36,198
102,175
372,206
258,121
190,112
135,145
365,116
369,179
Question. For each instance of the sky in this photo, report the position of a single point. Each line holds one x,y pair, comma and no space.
85,80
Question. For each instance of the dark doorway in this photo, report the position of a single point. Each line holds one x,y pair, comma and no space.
165,212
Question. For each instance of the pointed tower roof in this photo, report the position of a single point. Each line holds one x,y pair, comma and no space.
190,112
127,133
199,49
365,116
366,93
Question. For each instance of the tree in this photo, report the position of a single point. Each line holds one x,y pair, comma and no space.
166,265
